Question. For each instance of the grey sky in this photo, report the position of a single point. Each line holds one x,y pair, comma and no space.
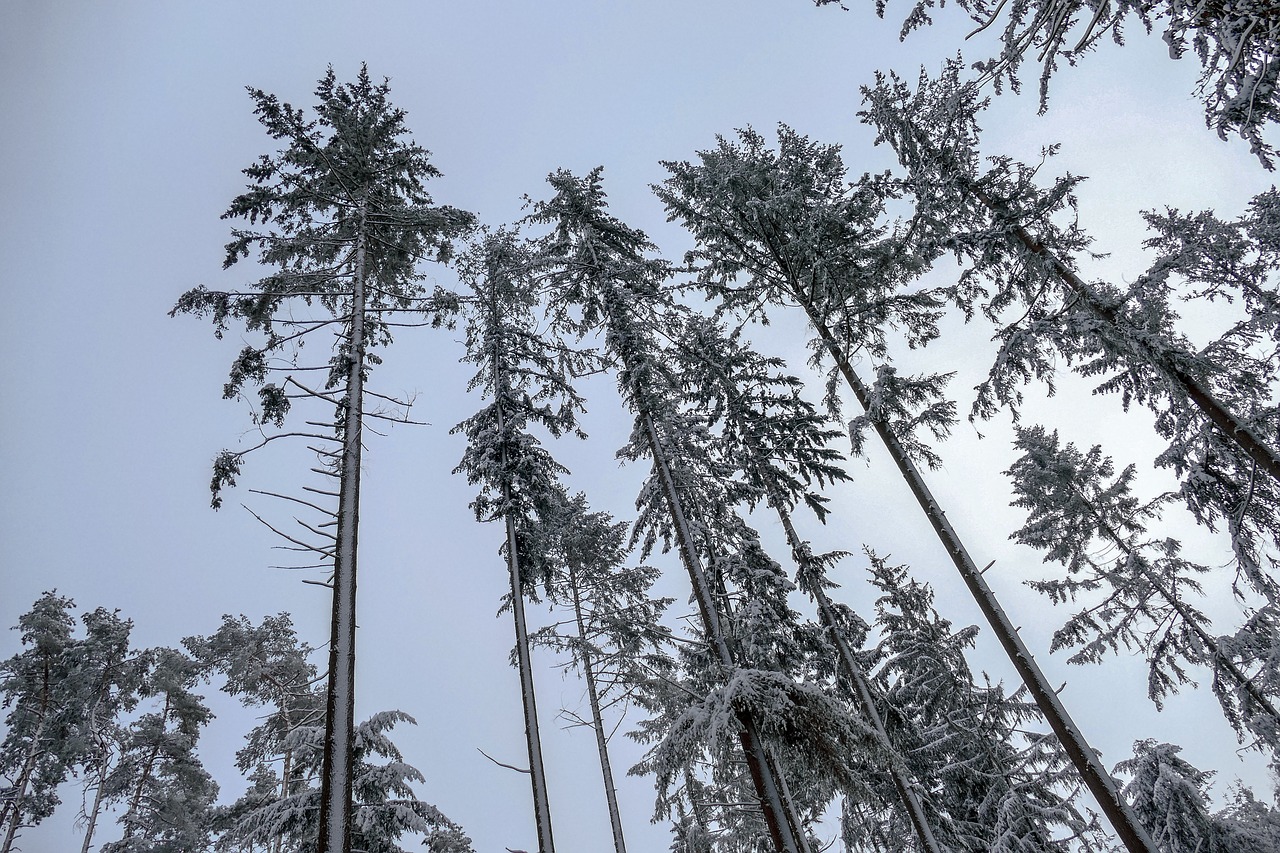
125,129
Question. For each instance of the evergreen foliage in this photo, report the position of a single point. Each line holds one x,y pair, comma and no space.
36,754
994,783
1086,517
1214,405
1238,45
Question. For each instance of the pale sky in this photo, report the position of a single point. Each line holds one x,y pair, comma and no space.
126,126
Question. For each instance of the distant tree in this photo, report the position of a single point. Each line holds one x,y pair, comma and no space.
38,686
1170,797
615,625
385,807
166,793
527,378
1085,516
1238,45
265,666
107,678
341,217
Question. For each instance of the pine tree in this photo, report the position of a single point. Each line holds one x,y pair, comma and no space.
615,622
1170,798
602,267
1079,512
107,676
265,666
778,443
36,755
528,383
167,795
789,223
341,217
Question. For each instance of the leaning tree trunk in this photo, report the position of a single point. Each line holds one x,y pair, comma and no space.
776,809
853,673
597,721
91,819
1095,776
337,769
537,773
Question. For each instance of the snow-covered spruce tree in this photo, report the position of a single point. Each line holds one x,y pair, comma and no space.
106,677
790,225
384,810
167,795
778,442
615,626
1238,45
602,269
36,755
1086,517
265,666
340,217
1170,796
1216,406
527,381
994,785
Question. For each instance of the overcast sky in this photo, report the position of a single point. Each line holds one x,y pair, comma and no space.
126,126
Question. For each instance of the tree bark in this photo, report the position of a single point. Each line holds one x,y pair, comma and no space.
1095,776
336,775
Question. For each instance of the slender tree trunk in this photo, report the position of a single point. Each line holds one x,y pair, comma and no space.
853,673
537,773
1227,422
92,818
336,776
767,788
1094,774
597,721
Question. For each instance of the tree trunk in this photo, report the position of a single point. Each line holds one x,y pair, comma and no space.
852,672
1095,776
92,817
336,776
537,774
766,785
597,721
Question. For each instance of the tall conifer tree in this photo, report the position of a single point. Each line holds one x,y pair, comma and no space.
341,217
